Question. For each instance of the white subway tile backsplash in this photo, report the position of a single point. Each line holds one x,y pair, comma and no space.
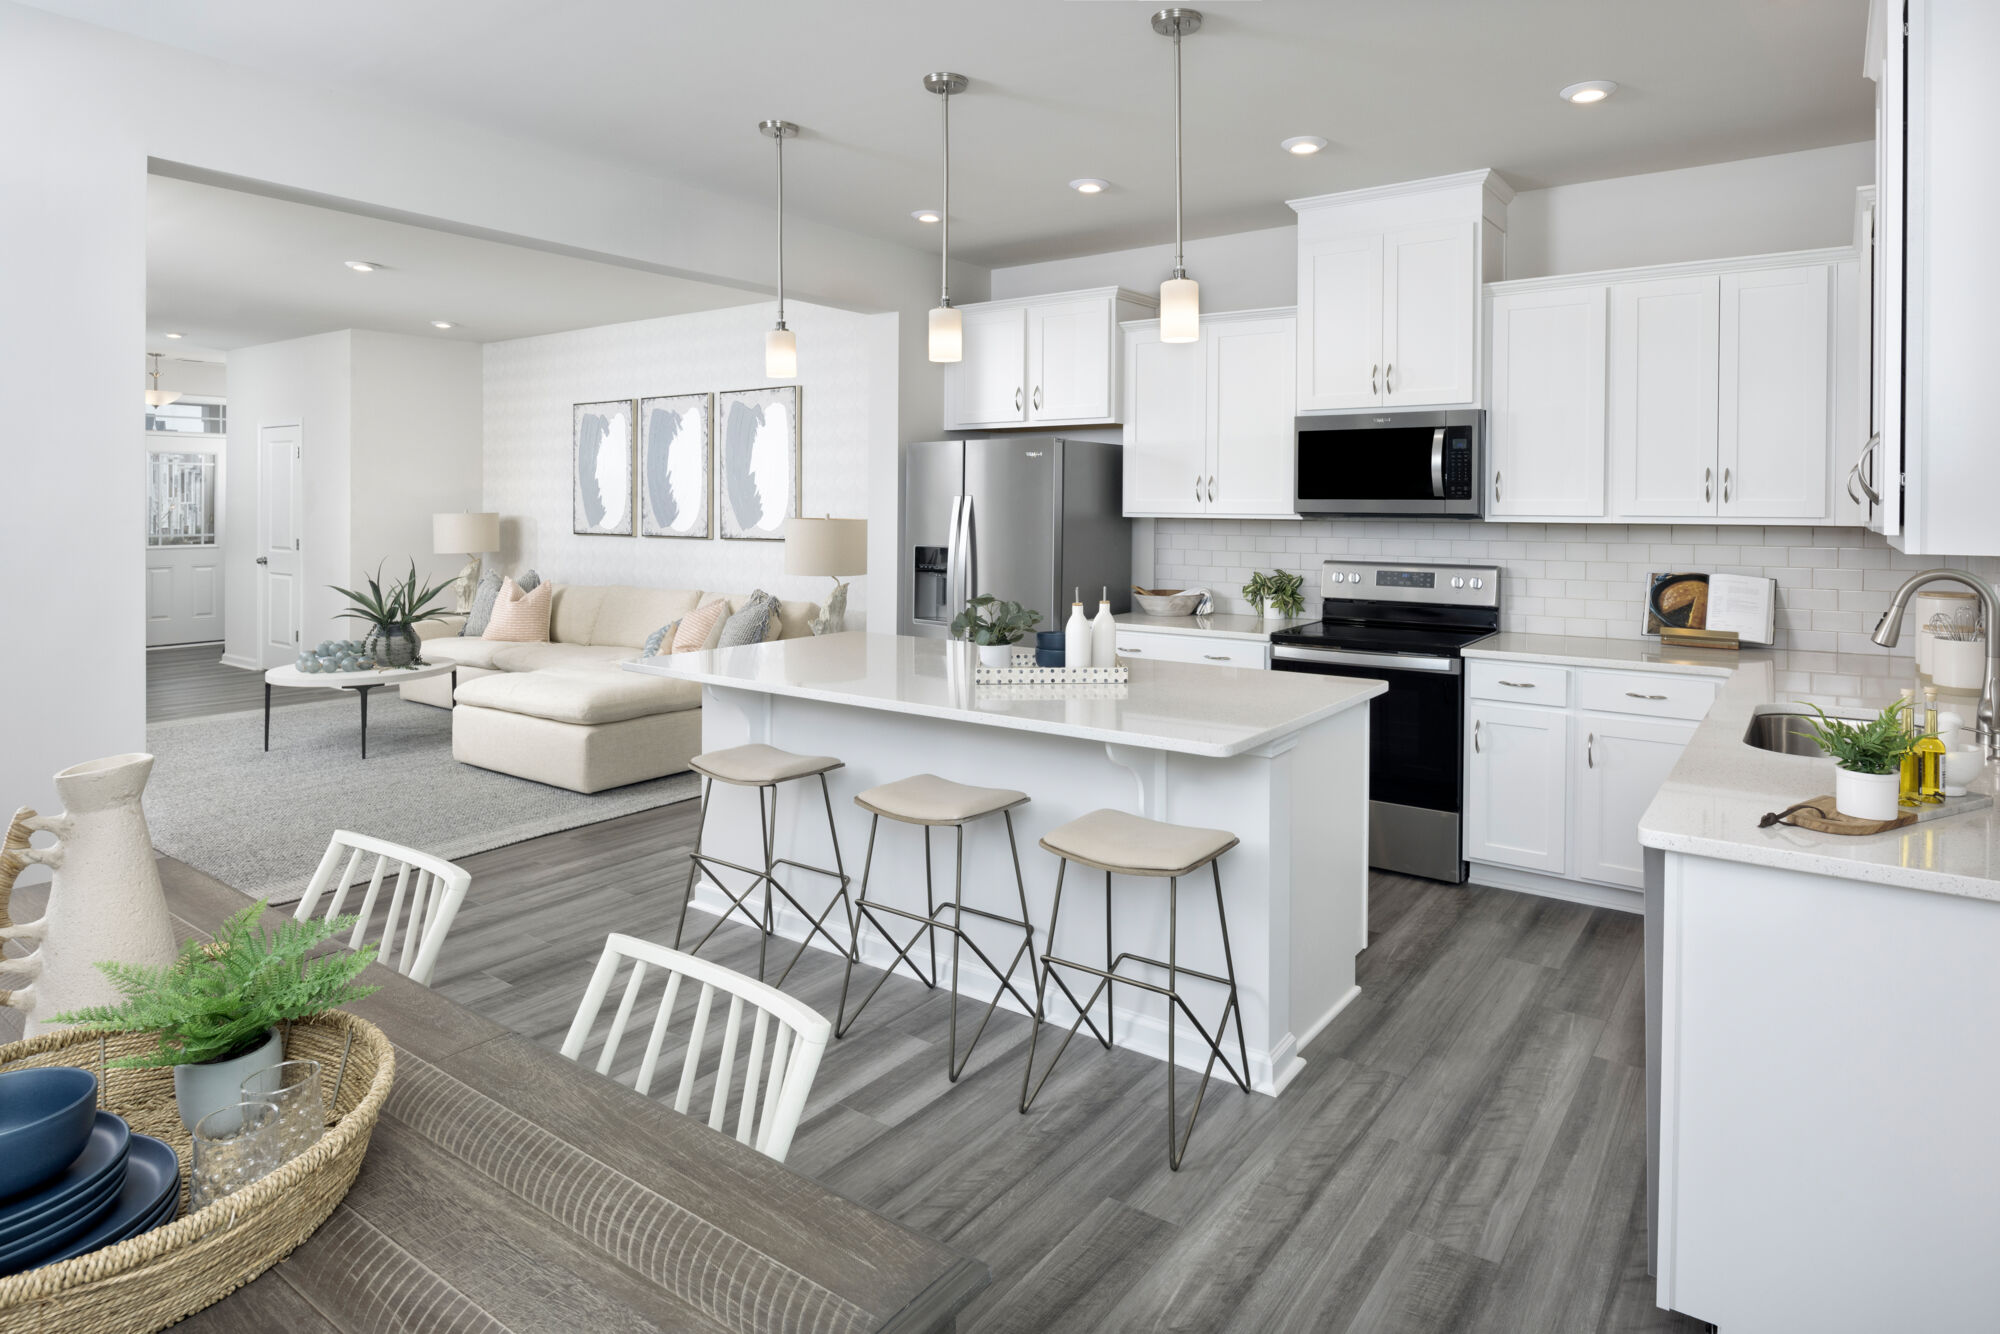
1576,579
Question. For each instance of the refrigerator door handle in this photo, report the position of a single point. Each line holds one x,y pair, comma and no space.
954,558
969,541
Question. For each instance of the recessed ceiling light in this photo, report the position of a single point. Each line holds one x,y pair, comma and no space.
1593,90
1089,185
174,335
443,324
1303,145
926,215
360,266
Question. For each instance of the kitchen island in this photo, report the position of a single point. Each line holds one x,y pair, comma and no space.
1281,761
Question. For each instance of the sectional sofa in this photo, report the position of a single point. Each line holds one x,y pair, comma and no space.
565,712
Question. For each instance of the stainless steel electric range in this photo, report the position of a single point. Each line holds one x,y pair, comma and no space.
1404,622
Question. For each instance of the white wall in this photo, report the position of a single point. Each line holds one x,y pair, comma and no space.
415,448
847,374
1241,271
203,379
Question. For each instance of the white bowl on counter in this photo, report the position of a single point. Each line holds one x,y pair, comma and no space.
1181,602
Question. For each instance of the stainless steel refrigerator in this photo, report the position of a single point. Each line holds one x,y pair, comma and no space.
1029,518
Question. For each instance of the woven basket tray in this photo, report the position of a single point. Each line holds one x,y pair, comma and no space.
174,1270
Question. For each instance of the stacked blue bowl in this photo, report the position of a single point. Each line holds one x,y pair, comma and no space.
72,1177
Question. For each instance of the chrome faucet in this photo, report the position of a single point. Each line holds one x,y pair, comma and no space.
1890,628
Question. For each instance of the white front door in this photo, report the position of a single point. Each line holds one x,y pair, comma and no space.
183,595
280,587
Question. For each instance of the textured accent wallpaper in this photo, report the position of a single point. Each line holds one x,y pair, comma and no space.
532,383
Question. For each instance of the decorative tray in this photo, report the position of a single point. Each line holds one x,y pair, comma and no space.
163,1276
1025,673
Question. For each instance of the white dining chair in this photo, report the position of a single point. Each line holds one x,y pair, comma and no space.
429,887
787,1038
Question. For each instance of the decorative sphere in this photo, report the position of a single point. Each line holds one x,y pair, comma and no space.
364,665
309,666
325,647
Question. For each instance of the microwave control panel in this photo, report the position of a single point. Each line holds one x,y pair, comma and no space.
1458,478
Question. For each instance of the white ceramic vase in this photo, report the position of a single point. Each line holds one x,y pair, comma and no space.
105,901
1865,796
201,1089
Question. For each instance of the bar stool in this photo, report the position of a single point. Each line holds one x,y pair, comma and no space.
930,801
1118,843
764,768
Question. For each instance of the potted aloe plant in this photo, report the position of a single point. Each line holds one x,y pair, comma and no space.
392,614
995,626
217,1007
1869,757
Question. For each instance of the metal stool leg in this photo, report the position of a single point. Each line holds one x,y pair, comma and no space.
1083,1008
694,862
862,913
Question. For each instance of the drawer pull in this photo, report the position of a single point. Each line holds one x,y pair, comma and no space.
1590,750
1633,694
1519,685
1131,650
1216,657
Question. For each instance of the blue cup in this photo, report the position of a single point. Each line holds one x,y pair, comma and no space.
1048,648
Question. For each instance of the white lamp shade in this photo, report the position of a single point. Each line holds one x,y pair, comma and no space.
159,398
459,532
826,546
947,334
781,354
1180,310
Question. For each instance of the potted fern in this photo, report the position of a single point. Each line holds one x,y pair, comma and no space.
217,1007
392,614
1869,757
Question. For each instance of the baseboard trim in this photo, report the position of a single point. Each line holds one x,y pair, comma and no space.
238,660
1615,897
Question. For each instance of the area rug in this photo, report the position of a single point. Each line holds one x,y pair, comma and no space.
261,821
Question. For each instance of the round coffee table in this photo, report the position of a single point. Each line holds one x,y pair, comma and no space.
359,682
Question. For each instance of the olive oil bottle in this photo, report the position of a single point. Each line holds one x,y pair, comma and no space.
1930,753
1910,781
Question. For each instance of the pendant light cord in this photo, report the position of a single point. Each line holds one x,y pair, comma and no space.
1180,262
779,138
944,251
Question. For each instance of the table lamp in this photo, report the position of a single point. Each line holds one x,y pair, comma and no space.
831,547
472,534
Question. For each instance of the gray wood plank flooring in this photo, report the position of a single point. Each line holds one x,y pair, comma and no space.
1464,1151
189,681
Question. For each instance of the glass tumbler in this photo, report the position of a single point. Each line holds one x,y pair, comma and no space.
293,1087
233,1146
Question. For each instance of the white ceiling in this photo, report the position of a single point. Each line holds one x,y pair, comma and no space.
227,269
1069,88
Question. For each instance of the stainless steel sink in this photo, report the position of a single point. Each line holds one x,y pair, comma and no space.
1785,731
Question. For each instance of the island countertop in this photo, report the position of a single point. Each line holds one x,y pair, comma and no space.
1167,706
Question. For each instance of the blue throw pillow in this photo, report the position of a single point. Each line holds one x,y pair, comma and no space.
661,640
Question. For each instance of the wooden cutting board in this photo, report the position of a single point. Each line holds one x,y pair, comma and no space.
1819,813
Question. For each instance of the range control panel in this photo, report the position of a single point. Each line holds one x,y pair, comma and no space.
1440,584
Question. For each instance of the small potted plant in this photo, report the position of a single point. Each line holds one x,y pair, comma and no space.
217,1007
995,626
1275,594
392,615
1869,757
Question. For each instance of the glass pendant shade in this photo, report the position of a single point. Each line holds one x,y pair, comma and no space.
159,398
1180,310
947,334
781,354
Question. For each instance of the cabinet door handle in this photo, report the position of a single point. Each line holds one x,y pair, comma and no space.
1197,488
1017,398
1496,484
1389,378
1853,474
1372,374
1519,685
1475,735
1864,471
1633,694
1590,751
1726,473
1211,488
1216,657
1038,398
1131,650
1708,486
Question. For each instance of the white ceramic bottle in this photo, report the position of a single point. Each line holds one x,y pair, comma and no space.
1103,634
1076,636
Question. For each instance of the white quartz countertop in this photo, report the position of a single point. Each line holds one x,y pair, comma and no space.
1169,706
1711,803
1220,625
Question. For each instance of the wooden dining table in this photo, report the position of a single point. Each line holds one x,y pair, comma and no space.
509,1189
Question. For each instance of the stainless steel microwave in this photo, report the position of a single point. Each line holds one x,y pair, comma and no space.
1421,463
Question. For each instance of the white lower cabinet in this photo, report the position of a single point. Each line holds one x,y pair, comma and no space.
1561,762
1517,786
1209,650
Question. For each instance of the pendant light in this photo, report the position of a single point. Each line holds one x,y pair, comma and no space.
947,331
1180,295
781,345
157,397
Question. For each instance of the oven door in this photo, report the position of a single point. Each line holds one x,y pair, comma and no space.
1415,764
1393,463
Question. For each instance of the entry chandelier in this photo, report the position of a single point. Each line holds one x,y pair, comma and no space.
947,329
157,397
781,345
1180,295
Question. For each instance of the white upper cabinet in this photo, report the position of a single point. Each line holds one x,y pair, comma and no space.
1776,350
1040,361
1389,283
1664,362
1546,424
1208,424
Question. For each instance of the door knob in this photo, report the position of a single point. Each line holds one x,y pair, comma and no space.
263,560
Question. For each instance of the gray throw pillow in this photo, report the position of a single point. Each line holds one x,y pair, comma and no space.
482,605
749,625
528,582
661,640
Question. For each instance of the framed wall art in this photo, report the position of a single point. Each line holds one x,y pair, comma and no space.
601,449
674,451
757,481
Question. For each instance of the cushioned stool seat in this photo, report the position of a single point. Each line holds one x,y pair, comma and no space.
928,799
1133,845
758,765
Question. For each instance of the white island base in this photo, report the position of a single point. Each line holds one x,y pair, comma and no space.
1290,781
